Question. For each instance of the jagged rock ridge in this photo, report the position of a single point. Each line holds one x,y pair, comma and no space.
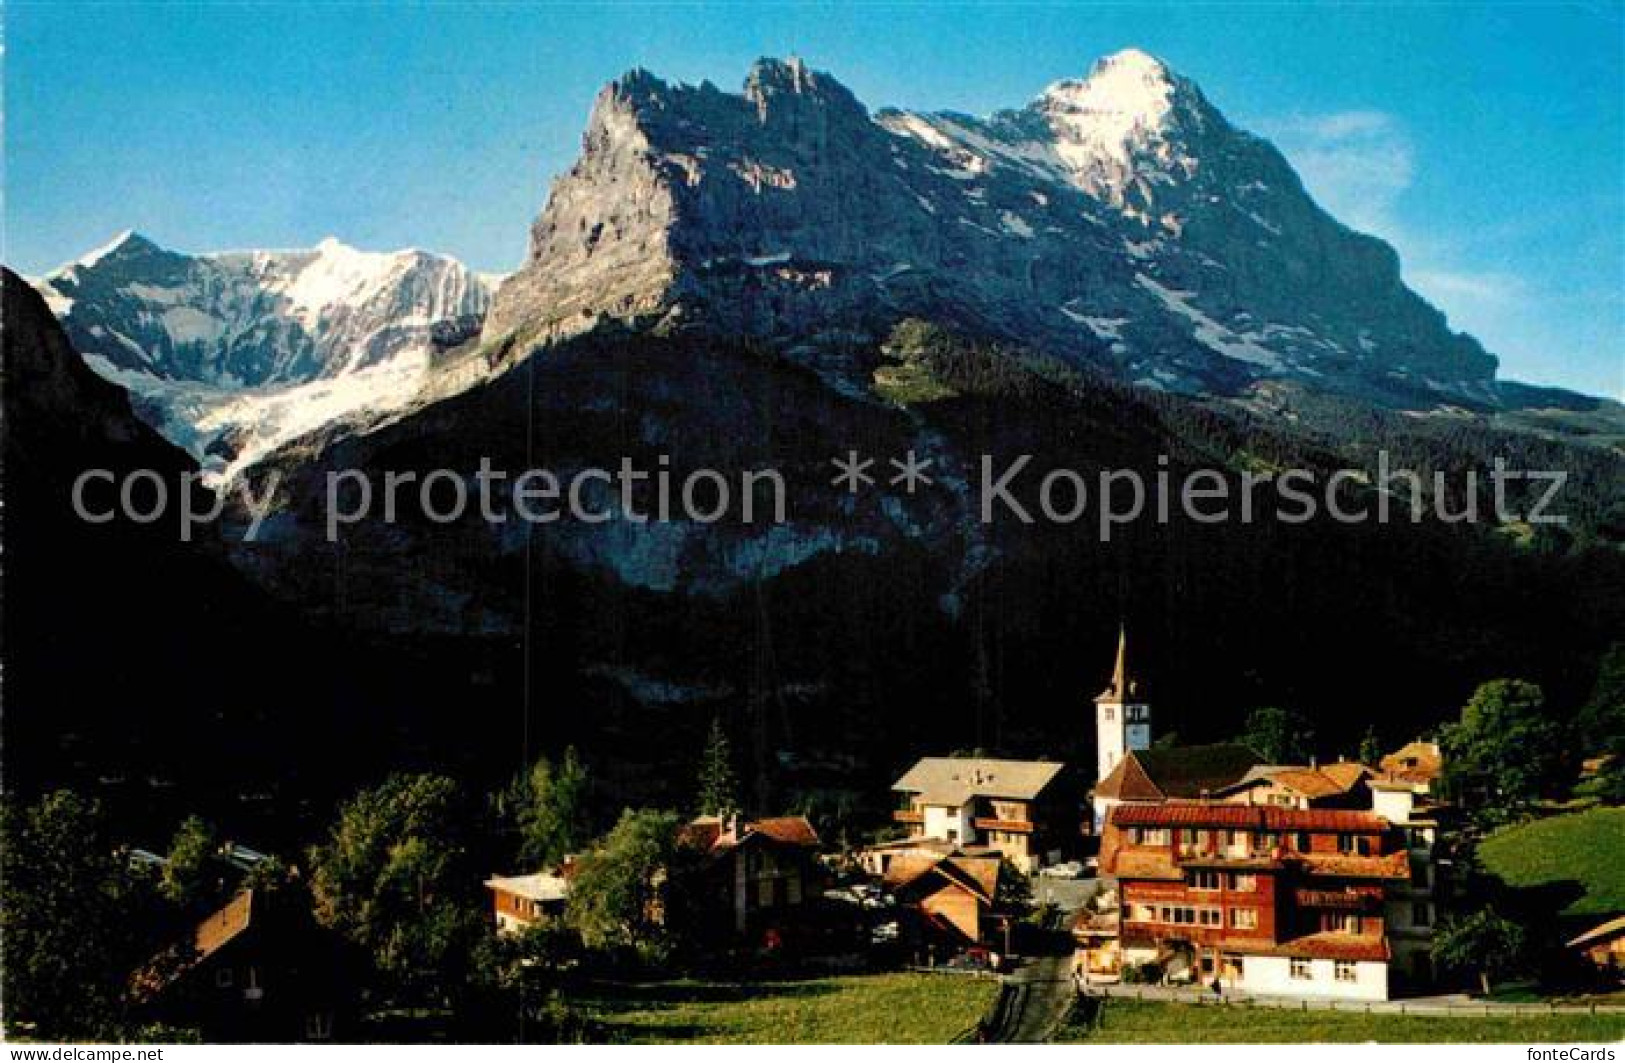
1118,221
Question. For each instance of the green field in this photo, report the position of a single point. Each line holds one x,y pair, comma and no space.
1587,848
1135,1022
855,1009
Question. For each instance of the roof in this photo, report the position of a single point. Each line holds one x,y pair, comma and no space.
1095,924
711,834
1415,761
787,830
916,843
1345,773
1159,864
1311,782
1603,932
1246,817
218,930
1323,946
976,875
955,780
535,887
1348,865
214,933
1176,771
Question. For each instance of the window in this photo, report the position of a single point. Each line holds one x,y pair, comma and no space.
1243,882
1345,971
1265,841
1341,922
1354,844
1244,918
1421,914
1301,842
319,1026
1152,836
1210,916
1300,970
1205,880
1187,836
1111,714
222,978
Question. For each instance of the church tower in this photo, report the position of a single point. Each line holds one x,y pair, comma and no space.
1122,718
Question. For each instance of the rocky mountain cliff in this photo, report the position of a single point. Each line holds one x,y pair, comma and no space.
1119,221
232,354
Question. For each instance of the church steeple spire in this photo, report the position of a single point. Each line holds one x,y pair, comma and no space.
1121,688
1122,717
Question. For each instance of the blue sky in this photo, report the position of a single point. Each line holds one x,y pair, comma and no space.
1487,143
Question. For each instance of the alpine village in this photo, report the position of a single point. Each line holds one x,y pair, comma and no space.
1005,900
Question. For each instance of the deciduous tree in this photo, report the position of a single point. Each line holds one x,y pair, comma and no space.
1505,752
393,877
627,891
75,923
1483,942
1280,736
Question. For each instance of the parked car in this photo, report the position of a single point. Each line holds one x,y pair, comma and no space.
1070,869
975,958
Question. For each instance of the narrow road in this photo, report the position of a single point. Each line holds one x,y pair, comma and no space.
1035,998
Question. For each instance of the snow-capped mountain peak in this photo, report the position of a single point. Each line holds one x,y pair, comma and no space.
126,241
1122,125
232,353
1125,94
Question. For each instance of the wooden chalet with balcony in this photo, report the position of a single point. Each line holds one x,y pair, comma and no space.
1265,898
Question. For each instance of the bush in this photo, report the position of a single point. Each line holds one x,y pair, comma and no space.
1147,973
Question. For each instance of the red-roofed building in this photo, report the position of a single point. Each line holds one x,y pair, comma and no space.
258,969
1265,898
765,867
954,895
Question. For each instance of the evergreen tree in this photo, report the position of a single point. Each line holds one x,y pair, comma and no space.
1601,727
1370,748
548,807
718,790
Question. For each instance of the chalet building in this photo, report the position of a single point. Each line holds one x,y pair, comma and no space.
1418,763
877,859
1152,776
519,902
1015,808
954,895
1412,906
1604,947
1340,785
258,969
1265,898
762,871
